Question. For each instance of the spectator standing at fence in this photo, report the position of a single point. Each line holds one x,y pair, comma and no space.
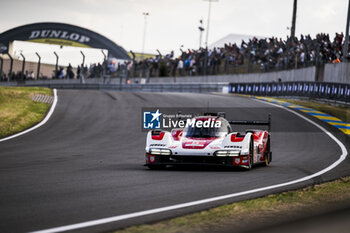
78,72
70,73
174,65
62,73
83,74
302,58
30,75
193,66
180,67
130,69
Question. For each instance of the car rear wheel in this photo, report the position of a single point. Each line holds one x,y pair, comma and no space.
251,155
268,154
267,159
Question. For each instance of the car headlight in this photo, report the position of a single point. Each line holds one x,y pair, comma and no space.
224,153
157,151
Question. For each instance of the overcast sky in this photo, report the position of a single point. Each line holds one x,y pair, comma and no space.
172,23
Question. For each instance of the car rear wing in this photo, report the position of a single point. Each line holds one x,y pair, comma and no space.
268,122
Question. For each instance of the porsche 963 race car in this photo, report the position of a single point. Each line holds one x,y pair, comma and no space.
215,144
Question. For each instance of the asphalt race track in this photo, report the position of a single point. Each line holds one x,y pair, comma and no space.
86,162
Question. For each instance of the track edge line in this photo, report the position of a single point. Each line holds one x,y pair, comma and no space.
41,123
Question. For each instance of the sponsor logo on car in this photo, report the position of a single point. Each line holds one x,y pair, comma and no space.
157,145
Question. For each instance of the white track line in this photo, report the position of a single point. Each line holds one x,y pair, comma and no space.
47,117
204,201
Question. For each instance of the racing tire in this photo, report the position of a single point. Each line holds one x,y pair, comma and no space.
268,154
267,159
251,155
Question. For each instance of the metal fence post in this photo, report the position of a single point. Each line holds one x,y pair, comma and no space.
56,67
11,66
132,75
83,58
346,42
1,66
39,63
23,66
206,62
104,66
82,79
105,56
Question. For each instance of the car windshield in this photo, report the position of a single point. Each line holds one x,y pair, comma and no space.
201,132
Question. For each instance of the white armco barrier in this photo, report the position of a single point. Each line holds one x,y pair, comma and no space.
337,73
152,87
305,74
334,73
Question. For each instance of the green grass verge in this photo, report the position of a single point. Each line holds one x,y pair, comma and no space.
17,109
342,113
242,214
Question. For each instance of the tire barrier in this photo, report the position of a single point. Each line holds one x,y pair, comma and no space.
332,91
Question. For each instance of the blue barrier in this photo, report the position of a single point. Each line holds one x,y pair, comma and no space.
333,91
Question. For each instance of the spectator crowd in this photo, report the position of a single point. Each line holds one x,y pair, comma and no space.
255,55
262,55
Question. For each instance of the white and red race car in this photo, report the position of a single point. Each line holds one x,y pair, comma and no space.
193,145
